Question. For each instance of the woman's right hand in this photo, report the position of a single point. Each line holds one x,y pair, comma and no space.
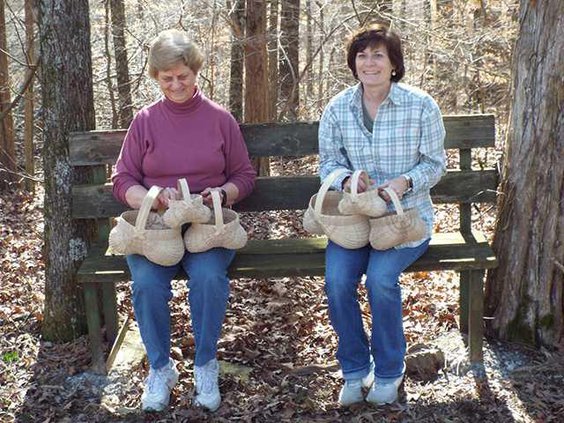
163,200
363,184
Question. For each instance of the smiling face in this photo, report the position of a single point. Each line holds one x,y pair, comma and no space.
373,67
177,83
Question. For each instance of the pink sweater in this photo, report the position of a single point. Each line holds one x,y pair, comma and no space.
197,140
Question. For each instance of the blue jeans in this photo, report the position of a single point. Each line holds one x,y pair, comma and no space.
344,270
208,296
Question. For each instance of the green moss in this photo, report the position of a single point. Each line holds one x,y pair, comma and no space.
519,332
547,321
517,329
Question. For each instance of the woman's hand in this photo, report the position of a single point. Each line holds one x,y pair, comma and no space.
164,198
399,185
363,184
206,194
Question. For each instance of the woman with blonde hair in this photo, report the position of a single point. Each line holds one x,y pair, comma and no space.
181,135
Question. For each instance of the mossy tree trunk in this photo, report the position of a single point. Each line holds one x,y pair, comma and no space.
525,293
67,96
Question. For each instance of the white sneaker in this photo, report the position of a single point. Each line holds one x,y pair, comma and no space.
207,389
351,392
158,385
384,393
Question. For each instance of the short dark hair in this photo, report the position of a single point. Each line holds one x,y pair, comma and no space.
374,35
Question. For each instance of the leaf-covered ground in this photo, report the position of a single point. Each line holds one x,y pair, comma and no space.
277,351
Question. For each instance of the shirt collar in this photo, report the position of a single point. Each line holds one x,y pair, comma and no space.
393,96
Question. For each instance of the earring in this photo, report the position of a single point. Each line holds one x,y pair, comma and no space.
393,72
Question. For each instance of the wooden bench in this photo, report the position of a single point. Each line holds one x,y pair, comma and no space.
465,250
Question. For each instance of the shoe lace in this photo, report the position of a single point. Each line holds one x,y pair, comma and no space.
206,378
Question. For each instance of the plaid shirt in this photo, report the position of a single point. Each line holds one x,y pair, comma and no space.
407,138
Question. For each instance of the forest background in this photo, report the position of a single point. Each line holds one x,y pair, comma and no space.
457,50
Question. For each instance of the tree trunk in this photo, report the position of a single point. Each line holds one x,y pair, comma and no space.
256,68
211,64
28,103
289,58
7,146
309,53
66,73
321,68
109,79
237,59
273,59
525,293
125,109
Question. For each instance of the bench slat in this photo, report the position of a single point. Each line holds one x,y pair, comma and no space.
280,193
279,139
278,258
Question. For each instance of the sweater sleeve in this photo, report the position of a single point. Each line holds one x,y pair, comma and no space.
128,168
239,169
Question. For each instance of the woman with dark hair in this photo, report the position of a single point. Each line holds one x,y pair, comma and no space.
395,133
181,135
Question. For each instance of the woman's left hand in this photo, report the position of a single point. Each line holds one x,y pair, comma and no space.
399,185
206,194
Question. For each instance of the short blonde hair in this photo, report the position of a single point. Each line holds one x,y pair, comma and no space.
170,48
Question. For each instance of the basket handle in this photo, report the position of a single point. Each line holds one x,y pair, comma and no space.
325,187
217,210
354,182
184,189
145,209
395,200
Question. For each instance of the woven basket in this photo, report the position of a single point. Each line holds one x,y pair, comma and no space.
310,224
222,230
143,232
392,229
348,231
190,209
368,202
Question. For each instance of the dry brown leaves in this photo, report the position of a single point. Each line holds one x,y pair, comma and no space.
277,350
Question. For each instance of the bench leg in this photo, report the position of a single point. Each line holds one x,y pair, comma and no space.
109,300
94,327
476,315
464,301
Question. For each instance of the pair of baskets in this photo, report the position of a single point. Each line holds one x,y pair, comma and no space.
352,220
159,237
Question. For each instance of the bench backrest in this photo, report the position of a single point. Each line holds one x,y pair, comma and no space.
462,185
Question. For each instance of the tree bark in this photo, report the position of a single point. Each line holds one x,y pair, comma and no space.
525,293
67,96
273,59
28,103
237,59
256,69
109,79
7,145
309,52
125,107
289,57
